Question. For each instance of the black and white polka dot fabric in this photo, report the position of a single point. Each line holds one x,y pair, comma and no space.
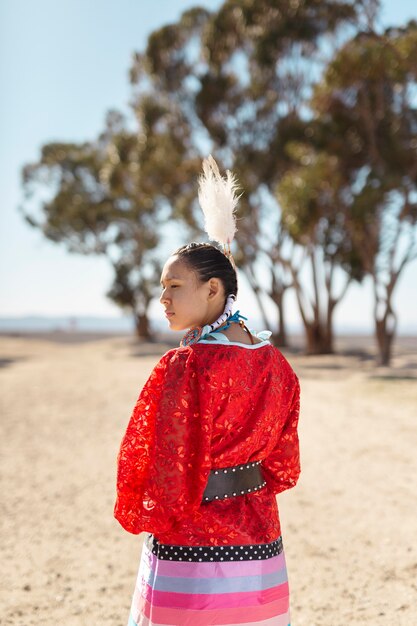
207,554
238,584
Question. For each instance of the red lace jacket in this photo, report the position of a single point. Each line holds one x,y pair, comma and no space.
206,406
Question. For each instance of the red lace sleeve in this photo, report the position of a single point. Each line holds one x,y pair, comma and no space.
281,468
164,458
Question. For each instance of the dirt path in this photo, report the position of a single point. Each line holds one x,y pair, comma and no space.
349,526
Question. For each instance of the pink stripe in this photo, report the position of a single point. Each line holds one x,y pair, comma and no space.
277,620
217,569
169,599
160,615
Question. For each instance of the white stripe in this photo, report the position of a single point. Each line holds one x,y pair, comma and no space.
235,343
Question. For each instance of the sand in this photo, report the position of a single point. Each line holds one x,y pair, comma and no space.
349,526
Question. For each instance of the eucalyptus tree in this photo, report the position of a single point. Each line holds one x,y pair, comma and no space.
88,197
368,112
312,195
235,83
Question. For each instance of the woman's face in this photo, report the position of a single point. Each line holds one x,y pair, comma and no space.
187,302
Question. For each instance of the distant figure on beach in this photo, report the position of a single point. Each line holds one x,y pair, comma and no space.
212,439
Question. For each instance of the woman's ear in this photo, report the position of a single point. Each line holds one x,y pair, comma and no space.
215,288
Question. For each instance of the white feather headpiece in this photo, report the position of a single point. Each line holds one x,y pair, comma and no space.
218,200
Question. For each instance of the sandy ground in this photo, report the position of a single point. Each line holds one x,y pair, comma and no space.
349,527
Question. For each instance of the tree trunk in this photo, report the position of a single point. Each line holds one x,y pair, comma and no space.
385,317
331,304
384,339
318,334
281,337
142,326
319,338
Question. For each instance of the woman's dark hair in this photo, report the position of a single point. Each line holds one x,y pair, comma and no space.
207,261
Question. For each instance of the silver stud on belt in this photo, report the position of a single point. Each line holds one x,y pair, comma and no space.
242,493
235,493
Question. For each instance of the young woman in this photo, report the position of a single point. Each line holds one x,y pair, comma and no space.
211,441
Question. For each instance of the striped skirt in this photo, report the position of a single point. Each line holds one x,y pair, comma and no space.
201,585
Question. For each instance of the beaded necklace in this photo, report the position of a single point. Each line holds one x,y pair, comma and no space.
236,317
226,318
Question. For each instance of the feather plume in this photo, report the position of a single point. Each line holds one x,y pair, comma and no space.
218,199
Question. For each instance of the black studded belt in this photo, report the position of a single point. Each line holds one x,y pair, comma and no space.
230,482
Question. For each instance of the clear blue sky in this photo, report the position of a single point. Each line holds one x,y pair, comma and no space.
62,66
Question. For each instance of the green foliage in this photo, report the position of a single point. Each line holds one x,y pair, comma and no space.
312,196
309,192
365,117
268,29
319,151
81,209
366,96
365,101
96,206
